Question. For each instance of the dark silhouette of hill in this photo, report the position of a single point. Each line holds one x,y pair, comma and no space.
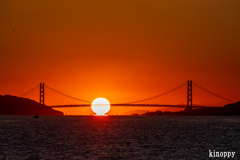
12,105
229,109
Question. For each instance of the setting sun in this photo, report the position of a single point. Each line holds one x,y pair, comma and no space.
100,106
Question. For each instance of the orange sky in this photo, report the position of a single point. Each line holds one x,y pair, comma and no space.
120,50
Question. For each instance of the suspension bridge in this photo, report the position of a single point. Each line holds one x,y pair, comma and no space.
137,103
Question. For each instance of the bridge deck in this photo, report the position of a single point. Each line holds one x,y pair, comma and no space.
129,105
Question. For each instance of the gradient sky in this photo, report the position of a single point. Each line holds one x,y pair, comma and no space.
122,50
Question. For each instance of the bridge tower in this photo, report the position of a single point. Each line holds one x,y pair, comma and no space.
189,95
41,93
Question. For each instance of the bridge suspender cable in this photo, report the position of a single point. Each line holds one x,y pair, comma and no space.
54,90
214,94
162,94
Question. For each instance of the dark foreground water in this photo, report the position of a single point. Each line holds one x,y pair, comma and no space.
119,137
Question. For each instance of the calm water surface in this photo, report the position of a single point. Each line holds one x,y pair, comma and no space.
117,137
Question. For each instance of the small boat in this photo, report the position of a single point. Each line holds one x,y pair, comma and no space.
36,116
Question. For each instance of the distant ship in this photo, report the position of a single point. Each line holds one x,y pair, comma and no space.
36,116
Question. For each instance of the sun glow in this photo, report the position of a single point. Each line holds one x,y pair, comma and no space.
100,106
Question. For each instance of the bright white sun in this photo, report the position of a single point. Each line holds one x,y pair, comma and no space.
100,106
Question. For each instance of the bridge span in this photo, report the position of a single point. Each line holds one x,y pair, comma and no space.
129,105
188,106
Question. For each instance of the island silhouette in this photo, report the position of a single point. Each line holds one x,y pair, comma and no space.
229,110
13,105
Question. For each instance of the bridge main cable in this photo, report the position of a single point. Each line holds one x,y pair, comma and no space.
63,94
162,94
30,91
210,92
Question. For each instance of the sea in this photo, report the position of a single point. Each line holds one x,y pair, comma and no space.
118,137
